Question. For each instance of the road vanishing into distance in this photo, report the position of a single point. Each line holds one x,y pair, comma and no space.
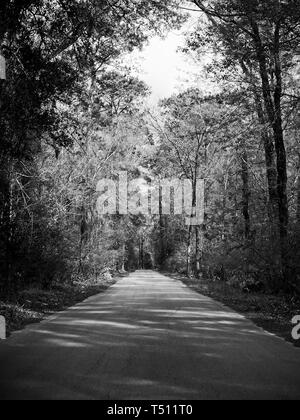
148,337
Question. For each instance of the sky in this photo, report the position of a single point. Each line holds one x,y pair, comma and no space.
165,69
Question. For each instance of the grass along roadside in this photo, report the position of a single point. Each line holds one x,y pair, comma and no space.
33,305
273,313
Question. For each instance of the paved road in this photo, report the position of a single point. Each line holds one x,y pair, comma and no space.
148,337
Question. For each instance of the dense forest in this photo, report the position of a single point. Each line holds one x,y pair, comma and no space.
72,113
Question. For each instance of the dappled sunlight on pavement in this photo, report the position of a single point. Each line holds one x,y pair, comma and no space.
148,337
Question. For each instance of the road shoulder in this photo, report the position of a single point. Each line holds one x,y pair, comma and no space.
272,313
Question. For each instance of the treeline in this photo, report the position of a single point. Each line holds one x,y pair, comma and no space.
71,114
66,120
244,141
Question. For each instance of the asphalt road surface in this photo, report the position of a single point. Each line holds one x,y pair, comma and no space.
148,337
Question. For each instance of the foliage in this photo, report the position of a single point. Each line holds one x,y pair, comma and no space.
66,121
71,115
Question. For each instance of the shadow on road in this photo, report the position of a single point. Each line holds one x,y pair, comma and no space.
149,337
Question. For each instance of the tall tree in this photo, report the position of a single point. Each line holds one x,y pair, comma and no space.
265,36
189,135
55,52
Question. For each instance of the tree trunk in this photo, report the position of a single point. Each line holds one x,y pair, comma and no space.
162,249
189,252
124,258
280,145
141,263
163,223
274,113
271,169
246,195
199,249
198,252
190,232
270,155
282,178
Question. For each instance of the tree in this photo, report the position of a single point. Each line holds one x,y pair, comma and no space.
189,135
56,51
262,37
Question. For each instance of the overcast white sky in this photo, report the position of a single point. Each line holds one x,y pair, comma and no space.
165,69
